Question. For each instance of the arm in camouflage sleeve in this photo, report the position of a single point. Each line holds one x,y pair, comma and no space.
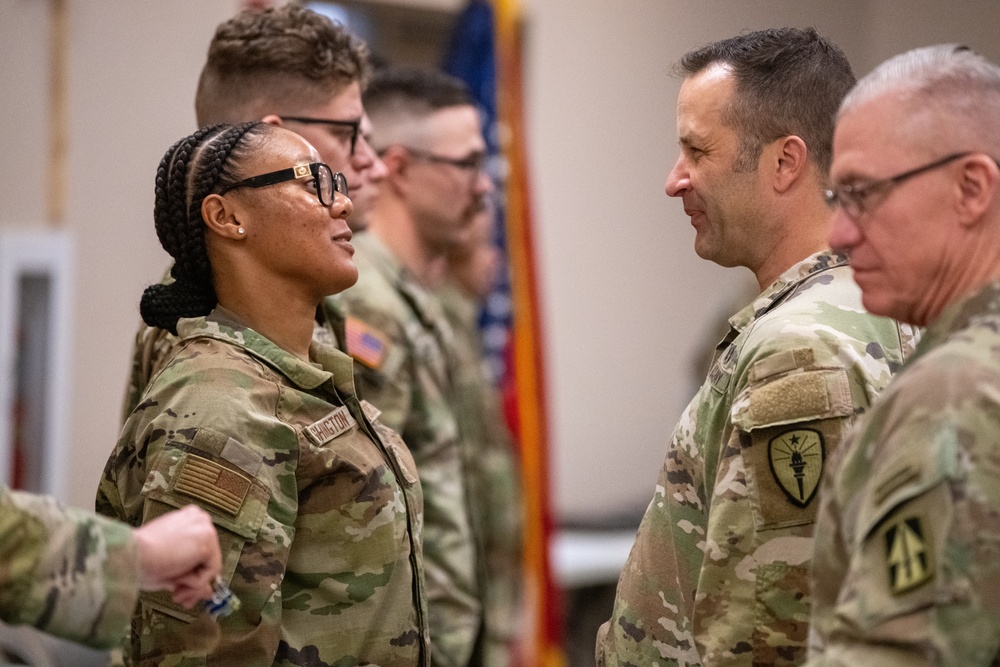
67,572
208,426
916,506
151,351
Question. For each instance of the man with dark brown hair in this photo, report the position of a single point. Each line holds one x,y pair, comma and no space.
719,573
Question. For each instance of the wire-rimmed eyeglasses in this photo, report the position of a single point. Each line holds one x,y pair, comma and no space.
474,162
326,181
855,200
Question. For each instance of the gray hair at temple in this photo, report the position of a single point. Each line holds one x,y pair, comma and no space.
957,86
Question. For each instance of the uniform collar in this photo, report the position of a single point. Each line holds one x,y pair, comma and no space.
327,363
374,253
785,284
960,315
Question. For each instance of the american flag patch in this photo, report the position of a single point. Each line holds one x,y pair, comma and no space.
212,483
365,343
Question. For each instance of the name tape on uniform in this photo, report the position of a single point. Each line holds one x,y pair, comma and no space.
330,426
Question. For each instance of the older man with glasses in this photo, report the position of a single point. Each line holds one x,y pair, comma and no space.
428,132
906,567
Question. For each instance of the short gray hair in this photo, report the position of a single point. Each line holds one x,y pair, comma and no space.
950,80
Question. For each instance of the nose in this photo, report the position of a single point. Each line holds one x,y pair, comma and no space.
678,180
364,156
845,233
377,172
484,184
342,206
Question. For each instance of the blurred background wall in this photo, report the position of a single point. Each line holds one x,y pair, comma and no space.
627,304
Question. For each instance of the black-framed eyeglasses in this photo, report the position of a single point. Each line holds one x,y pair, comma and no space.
353,125
326,181
855,200
474,162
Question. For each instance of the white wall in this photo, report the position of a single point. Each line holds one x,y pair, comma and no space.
626,300
132,72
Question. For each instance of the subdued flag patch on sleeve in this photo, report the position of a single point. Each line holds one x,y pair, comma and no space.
364,343
212,483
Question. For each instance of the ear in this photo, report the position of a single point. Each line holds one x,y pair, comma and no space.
789,160
978,183
221,216
397,162
272,119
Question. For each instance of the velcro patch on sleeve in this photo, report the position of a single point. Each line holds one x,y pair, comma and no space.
212,483
801,397
795,397
782,362
330,426
364,343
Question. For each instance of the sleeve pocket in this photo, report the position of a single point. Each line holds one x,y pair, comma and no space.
236,501
789,424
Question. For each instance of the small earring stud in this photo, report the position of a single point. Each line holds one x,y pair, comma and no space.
241,231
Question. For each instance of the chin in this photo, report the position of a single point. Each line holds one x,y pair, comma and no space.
345,278
886,306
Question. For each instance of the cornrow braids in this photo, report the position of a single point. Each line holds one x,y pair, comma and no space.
193,168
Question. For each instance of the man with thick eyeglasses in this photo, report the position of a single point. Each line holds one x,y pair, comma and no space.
719,572
295,68
429,135
906,567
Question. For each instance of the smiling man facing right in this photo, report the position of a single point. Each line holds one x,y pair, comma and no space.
718,574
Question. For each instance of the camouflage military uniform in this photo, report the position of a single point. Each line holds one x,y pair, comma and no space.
719,570
317,504
64,571
494,480
151,351
907,556
397,333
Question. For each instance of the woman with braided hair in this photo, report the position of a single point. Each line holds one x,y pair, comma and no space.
317,505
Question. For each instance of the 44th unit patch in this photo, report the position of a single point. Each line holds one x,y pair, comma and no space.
907,555
796,460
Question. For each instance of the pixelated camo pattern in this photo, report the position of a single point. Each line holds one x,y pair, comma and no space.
718,571
495,485
412,388
318,508
64,571
908,536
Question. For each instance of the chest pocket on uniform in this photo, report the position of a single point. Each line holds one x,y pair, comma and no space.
791,417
